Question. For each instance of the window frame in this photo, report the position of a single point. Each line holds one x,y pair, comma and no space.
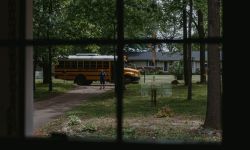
23,43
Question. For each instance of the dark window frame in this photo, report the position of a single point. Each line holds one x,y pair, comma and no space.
22,43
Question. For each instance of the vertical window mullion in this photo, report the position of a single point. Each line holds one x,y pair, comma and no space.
119,67
21,66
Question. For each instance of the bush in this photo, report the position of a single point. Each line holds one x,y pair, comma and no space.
175,82
149,70
164,112
74,120
197,71
177,70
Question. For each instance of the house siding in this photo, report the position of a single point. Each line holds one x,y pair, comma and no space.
139,63
141,59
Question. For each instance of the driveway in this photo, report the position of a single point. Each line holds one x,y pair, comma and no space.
48,110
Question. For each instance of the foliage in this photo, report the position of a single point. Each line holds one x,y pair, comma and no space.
171,22
141,18
164,112
150,70
88,128
74,19
176,68
74,120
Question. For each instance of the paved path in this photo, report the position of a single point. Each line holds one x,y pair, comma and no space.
50,109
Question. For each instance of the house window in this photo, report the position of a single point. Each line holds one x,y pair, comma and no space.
193,66
165,66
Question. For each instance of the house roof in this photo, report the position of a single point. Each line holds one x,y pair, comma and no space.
166,56
148,56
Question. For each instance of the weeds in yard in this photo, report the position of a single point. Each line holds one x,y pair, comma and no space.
74,120
88,128
166,111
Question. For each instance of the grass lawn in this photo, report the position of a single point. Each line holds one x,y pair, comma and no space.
174,119
58,87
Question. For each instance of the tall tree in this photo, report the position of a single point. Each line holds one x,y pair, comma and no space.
189,53
46,25
185,48
213,114
202,46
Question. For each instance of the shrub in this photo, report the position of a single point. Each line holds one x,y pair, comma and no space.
164,112
177,70
88,128
175,82
74,120
197,71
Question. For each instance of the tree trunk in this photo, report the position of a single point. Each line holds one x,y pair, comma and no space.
45,71
213,115
154,50
185,44
50,69
202,47
189,53
49,48
34,73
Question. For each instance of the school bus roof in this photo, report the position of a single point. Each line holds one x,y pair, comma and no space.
91,58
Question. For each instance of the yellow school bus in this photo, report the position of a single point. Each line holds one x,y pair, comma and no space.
83,69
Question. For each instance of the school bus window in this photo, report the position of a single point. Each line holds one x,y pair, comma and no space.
67,64
60,65
80,64
105,64
86,64
73,65
93,64
99,64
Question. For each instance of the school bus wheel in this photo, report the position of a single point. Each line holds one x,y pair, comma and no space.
127,79
80,80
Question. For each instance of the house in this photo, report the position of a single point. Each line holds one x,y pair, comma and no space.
163,60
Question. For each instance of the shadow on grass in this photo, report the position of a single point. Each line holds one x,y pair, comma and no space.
59,86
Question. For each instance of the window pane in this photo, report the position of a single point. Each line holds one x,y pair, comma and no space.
61,65
67,64
152,19
156,108
86,64
163,19
105,64
73,65
93,64
80,64
99,64
74,19
86,109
